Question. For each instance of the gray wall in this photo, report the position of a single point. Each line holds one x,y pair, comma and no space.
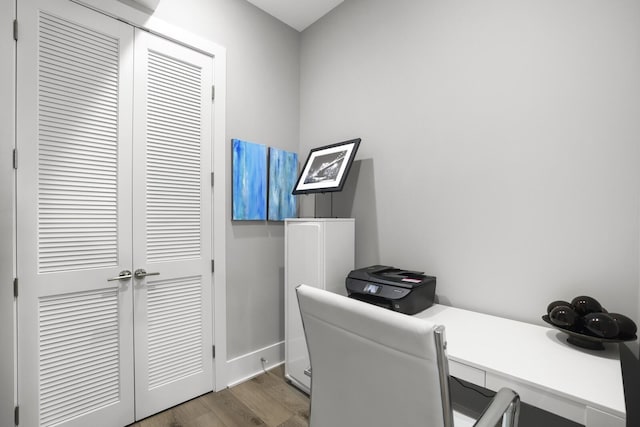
500,144
263,107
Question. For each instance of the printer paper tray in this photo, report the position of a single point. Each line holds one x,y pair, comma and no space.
373,299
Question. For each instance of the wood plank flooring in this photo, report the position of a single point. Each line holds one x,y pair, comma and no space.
266,400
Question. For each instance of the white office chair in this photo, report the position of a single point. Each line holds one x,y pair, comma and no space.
374,367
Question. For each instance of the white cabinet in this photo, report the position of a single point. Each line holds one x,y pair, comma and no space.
319,252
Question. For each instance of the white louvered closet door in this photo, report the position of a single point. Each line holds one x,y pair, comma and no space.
114,142
172,224
75,338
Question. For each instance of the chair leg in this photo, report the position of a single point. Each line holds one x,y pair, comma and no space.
511,415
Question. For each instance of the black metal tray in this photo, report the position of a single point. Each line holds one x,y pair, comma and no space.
586,341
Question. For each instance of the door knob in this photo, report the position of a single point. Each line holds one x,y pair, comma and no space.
140,273
124,274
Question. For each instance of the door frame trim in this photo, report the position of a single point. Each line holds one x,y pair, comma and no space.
8,313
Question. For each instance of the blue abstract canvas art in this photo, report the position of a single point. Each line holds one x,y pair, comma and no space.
283,173
249,169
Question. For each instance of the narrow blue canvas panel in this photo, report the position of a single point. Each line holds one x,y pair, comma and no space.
249,169
283,173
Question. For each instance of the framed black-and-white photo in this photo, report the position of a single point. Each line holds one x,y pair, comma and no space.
327,167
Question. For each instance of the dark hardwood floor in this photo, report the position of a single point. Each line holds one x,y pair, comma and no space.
266,400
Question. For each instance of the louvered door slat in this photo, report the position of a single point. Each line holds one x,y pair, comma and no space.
77,95
60,372
77,55
170,355
167,97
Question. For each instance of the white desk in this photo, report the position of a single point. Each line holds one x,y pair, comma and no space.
584,386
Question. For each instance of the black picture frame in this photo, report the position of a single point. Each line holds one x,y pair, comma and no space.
326,168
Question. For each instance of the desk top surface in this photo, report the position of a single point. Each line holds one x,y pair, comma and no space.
532,354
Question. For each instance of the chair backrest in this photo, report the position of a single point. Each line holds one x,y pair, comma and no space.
370,366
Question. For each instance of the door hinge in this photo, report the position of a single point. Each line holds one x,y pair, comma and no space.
15,29
15,287
16,415
213,349
15,158
212,179
213,267
213,92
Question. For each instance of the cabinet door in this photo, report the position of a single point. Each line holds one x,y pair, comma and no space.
318,253
75,336
172,224
305,265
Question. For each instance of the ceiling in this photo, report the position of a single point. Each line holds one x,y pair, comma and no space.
298,14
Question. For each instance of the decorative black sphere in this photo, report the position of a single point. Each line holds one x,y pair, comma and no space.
626,327
601,325
564,316
555,304
584,305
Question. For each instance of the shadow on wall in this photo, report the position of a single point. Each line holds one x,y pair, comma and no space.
282,308
356,200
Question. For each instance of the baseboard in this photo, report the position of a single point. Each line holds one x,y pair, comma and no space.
249,365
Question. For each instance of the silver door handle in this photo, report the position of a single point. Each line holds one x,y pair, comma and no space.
140,273
307,372
124,274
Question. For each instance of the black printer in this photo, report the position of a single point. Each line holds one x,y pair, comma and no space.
405,291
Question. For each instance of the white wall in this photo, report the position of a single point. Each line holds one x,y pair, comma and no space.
262,106
500,148
7,182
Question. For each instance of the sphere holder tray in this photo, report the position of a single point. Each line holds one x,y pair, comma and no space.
587,341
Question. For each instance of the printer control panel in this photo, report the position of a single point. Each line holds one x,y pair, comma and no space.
385,291
370,288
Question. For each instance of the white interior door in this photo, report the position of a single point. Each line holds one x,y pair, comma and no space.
100,199
74,225
172,224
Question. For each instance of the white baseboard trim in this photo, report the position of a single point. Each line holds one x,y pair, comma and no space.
247,366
